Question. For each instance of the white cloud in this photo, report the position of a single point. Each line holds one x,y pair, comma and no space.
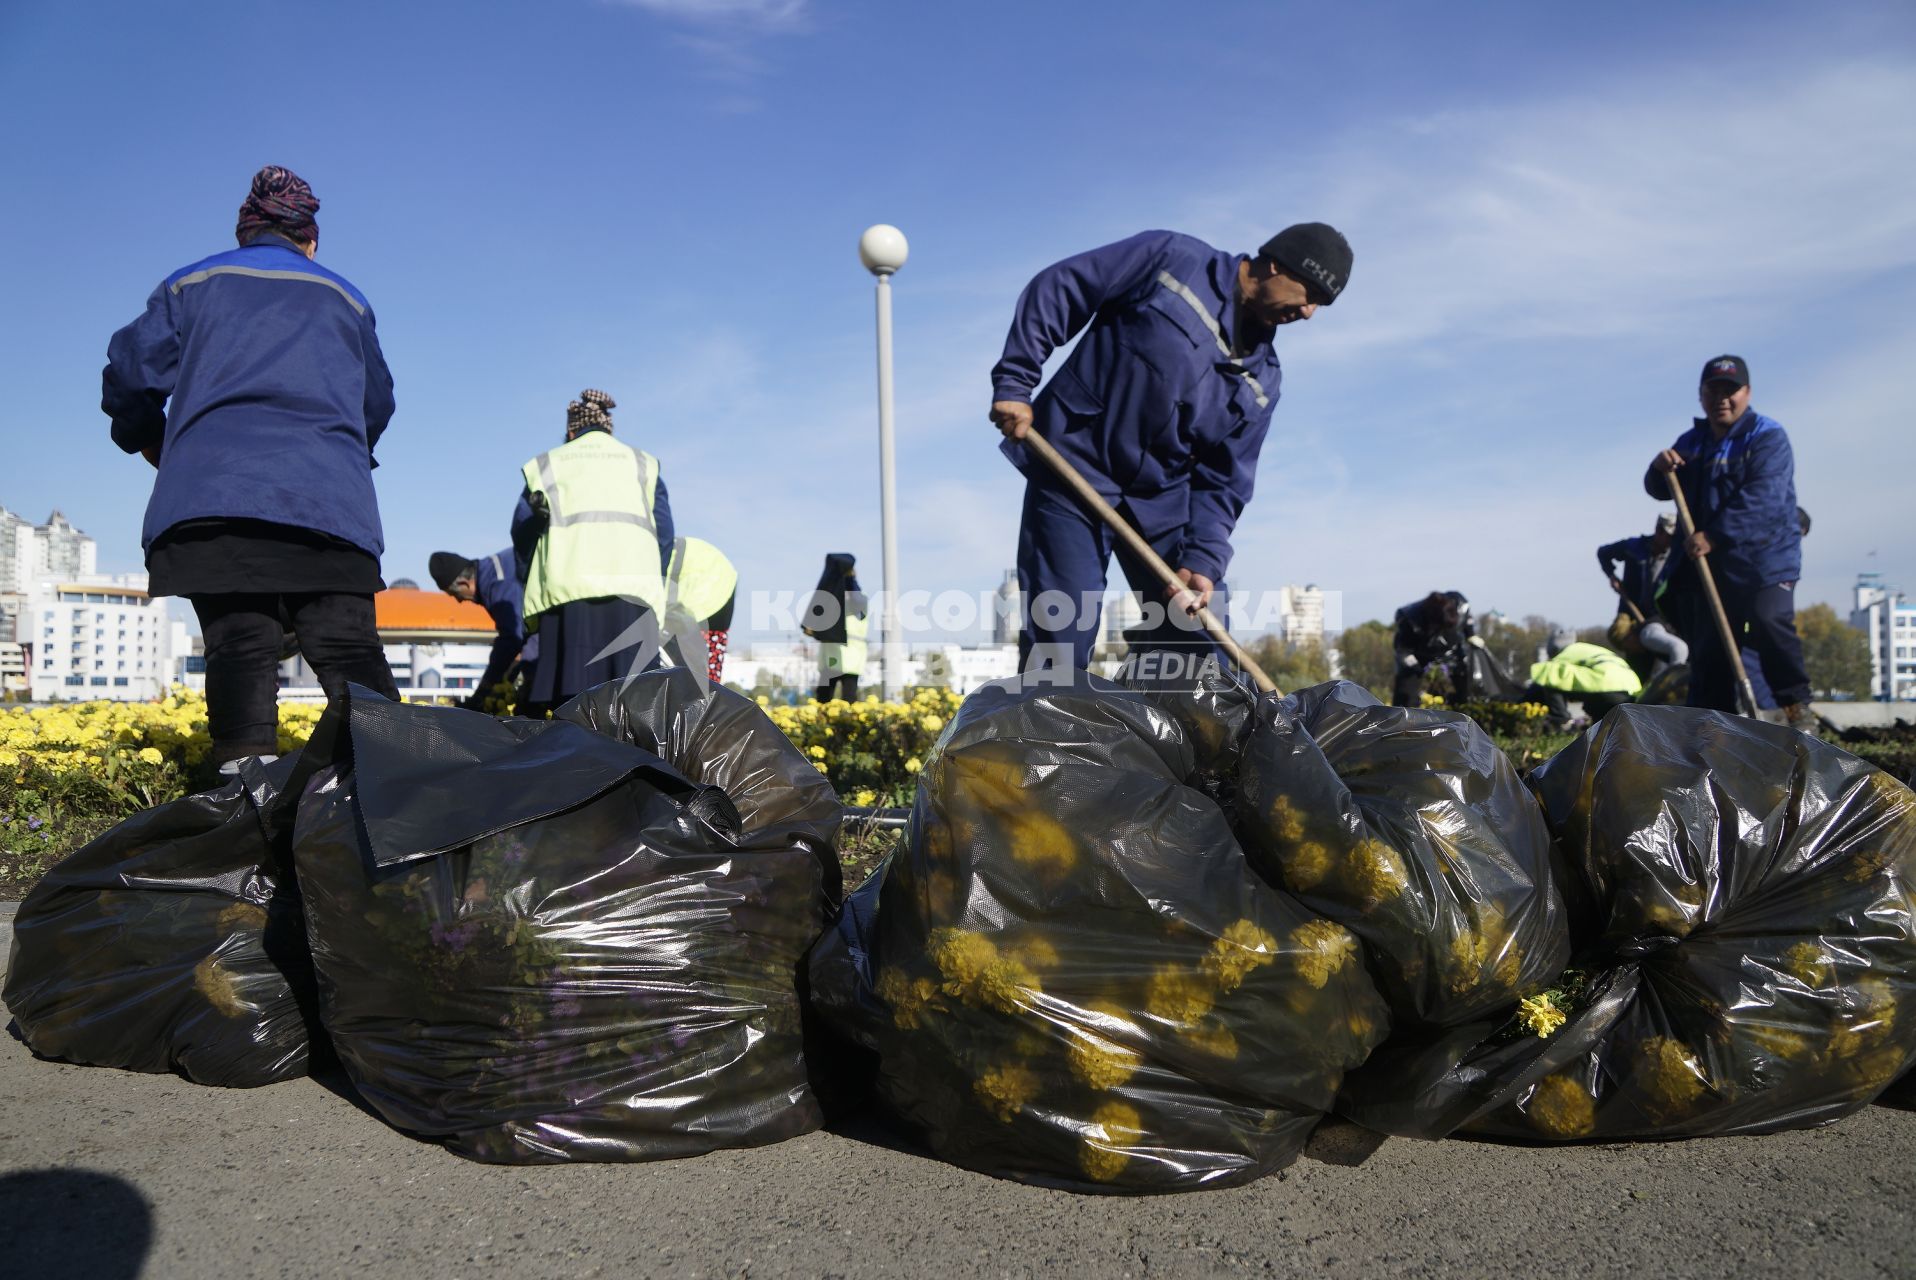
761,15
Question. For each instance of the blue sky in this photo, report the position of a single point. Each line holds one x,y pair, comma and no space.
1556,217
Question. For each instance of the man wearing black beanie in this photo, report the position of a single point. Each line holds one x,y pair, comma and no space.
1163,407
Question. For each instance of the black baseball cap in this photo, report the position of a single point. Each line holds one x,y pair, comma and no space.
1726,369
1317,254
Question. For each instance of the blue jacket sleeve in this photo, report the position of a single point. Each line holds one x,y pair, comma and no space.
1061,299
528,523
1222,478
379,388
1761,504
142,363
662,521
1611,553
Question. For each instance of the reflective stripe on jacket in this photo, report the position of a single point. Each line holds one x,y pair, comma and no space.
699,580
600,537
846,659
1586,668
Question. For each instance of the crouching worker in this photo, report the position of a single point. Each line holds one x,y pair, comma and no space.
255,384
1638,570
594,532
492,582
1431,632
1590,672
701,589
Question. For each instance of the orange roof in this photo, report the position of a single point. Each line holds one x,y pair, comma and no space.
411,609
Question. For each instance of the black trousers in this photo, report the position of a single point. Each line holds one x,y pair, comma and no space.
842,688
1765,619
245,633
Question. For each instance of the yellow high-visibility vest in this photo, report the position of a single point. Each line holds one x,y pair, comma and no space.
601,539
699,580
846,659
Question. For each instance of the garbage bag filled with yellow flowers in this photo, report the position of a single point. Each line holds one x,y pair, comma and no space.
540,944
1070,976
1743,893
174,942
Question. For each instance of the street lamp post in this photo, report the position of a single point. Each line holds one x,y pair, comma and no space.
883,251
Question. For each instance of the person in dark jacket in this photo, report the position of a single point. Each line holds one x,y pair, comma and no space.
837,617
1163,406
1637,570
492,582
1430,632
1739,477
254,382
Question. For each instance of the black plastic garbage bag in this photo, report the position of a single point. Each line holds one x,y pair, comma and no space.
1742,898
541,944
1069,974
1410,828
722,739
173,942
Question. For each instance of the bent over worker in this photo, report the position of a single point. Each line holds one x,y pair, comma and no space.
1576,669
701,588
255,384
1639,584
492,582
1162,406
1739,477
594,531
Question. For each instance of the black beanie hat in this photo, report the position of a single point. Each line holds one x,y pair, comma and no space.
446,567
1315,253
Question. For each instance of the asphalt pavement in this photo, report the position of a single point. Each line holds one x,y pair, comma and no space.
109,1174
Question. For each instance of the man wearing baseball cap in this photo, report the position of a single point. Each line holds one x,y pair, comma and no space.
1739,477
1162,407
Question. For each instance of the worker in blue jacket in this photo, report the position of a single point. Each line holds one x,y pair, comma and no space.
1163,407
491,582
255,384
1645,561
1739,478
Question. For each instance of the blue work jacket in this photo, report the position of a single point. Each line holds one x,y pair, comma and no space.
1154,405
1742,492
496,583
278,393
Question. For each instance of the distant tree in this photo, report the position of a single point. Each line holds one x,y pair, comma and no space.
1515,645
1364,653
1836,654
1292,665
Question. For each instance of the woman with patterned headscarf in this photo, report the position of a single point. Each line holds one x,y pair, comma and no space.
255,384
593,532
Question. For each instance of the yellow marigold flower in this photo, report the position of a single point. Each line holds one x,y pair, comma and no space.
1540,1015
1116,1127
1005,986
1034,951
933,723
865,798
241,915
1177,995
1241,948
1041,841
1323,949
1375,871
1808,963
1779,1042
1006,1088
213,982
907,996
962,956
1100,1062
913,765
1286,820
996,784
1560,1107
1670,1076
816,753
1211,1036
1306,865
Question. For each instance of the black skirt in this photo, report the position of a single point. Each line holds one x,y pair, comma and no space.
573,635
225,557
